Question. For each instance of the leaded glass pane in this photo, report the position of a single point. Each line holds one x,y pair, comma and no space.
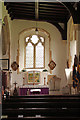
42,39
39,56
29,55
34,39
27,39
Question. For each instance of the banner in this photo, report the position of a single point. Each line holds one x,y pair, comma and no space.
78,72
75,79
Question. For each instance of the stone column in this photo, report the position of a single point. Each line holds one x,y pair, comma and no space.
77,29
0,56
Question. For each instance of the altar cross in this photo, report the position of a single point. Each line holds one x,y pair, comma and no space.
15,83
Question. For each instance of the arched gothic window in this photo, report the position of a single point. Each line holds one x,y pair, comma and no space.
35,52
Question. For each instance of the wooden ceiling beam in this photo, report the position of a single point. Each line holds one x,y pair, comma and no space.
33,6
21,9
19,6
32,18
33,3
53,14
36,9
74,11
24,3
53,11
49,8
51,5
40,15
20,12
40,10
20,3
41,18
53,18
24,17
32,12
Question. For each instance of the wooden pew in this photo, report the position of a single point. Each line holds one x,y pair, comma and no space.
47,107
16,105
42,112
43,118
42,101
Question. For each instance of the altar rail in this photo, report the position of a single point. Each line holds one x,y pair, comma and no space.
41,107
43,90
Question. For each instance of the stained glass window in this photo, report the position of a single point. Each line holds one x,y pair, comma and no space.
34,52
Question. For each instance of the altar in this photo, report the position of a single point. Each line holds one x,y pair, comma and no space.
34,89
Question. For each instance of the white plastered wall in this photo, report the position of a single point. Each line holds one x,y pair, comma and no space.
72,37
57,46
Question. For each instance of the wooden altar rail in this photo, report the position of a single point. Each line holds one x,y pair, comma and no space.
51,107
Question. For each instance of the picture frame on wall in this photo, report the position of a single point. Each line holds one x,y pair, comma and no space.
4,64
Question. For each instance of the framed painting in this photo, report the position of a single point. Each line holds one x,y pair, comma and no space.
33,76
30,77
4,64
37,76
